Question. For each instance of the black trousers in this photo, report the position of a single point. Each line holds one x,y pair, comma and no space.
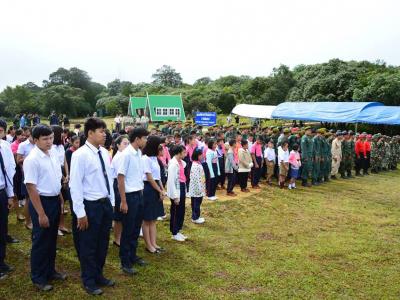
3,226
243,176
178,212
131,224
93,242
221,178
231,181
360,163
196,203
44,240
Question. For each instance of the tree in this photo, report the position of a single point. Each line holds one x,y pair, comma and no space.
64,99
17,100
202,81
114,104
167,76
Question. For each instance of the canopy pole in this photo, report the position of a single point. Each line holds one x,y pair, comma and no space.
356,128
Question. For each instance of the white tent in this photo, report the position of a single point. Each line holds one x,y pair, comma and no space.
254,111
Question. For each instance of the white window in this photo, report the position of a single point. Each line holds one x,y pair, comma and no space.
177,111
171,111
165,111
158,111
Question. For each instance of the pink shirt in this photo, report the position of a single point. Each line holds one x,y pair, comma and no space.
182,177
14,146
166,157
294,159
190,150
236,152
256,149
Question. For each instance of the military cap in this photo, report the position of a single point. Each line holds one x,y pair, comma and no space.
338,133
307,128
351,132
344,132
275,130
332,131
286,130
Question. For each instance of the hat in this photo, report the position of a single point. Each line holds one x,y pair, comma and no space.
295,129
307,128
338,133
351,132
344,132
275,130
286,130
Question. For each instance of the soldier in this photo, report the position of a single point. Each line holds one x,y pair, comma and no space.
294,138
307,148
327,157
284,137
317,155
386,154
374,154
347,158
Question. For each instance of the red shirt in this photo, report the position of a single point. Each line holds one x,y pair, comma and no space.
360,148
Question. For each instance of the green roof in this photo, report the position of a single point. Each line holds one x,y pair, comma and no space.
159,107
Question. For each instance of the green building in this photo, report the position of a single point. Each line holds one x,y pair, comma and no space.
158,108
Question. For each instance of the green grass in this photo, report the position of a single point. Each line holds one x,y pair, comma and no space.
337,241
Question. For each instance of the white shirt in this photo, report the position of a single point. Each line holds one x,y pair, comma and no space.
115,164
43,170
9,166
60,152
269,154
25,148
87,180
283,155
9,138
117,120
150,165
132,168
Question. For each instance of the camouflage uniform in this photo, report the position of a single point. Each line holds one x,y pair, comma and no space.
375,158
307,151
317,161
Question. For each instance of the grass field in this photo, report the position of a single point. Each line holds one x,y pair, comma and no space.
337,241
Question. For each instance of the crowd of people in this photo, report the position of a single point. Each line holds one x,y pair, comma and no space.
118,179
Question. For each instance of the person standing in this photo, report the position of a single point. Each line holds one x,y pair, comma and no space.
92,202
7,165
130,187
336,151
231,168
43,182
197,187
245,165
176,191
153,194
307,152
257,156
117,121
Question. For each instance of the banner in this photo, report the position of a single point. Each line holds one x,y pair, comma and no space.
206,118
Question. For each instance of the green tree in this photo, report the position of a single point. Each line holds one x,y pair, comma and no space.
17,100
167,76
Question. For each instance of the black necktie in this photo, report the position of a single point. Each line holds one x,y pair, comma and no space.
103,166
3,169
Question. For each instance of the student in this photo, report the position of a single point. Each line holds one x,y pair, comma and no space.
176,191
295,164
130,186
270,157
221,162
213,167
197,187
256,155
92,202
283,159
120,145
231,168
245,165
11,134
23,150
7,171
153,194
43,182
59,151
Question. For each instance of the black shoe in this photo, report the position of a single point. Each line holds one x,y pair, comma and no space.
11,240
6,269
43,287
366,173
129,271
105,282
153,252
304,182
161,249
3,275
140,262
116,244
333,177
59,276
94,291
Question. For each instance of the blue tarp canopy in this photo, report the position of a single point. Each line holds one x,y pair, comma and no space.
333,112
389,115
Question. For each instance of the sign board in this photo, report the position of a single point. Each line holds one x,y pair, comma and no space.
206,118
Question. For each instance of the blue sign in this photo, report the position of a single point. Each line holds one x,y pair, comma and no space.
206,118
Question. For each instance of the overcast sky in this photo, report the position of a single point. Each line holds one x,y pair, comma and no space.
131,39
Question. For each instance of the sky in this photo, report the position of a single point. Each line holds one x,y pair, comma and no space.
130,39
